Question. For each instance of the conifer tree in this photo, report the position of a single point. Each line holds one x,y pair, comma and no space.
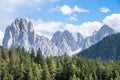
32,54
39,58
46,74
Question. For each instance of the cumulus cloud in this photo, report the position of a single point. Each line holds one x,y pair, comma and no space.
67,10
86,29
113,21
104,10
77,9
47,27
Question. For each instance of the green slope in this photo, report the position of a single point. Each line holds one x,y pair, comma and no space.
106,49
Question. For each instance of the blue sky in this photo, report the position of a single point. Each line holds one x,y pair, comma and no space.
48,16
45,9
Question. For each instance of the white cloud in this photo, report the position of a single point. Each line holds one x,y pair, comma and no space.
113,21
70,12
47,26
86,29
67,10
71,27
1,37
72,18
104,10
77,9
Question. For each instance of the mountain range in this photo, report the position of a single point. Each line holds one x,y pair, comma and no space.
21,33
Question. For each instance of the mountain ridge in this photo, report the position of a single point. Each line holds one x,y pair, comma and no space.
21,32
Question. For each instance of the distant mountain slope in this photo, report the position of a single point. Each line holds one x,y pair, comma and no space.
108,48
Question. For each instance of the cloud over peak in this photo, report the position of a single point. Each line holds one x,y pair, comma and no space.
86,28
113,21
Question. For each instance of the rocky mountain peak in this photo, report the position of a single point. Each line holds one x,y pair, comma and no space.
21,33
79,36
22,24
106,28
65,41
80,39
104,31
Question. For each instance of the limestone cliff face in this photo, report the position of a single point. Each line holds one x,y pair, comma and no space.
21,33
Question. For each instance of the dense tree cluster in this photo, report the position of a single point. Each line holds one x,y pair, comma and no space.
17,64
106,49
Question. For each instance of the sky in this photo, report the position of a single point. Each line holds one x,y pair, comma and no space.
49,16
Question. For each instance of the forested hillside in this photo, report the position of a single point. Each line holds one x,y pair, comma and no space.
17,64
107,49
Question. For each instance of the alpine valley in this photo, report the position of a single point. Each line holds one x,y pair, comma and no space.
21,33
59,39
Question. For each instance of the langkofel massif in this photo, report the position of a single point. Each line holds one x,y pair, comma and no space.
21,32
